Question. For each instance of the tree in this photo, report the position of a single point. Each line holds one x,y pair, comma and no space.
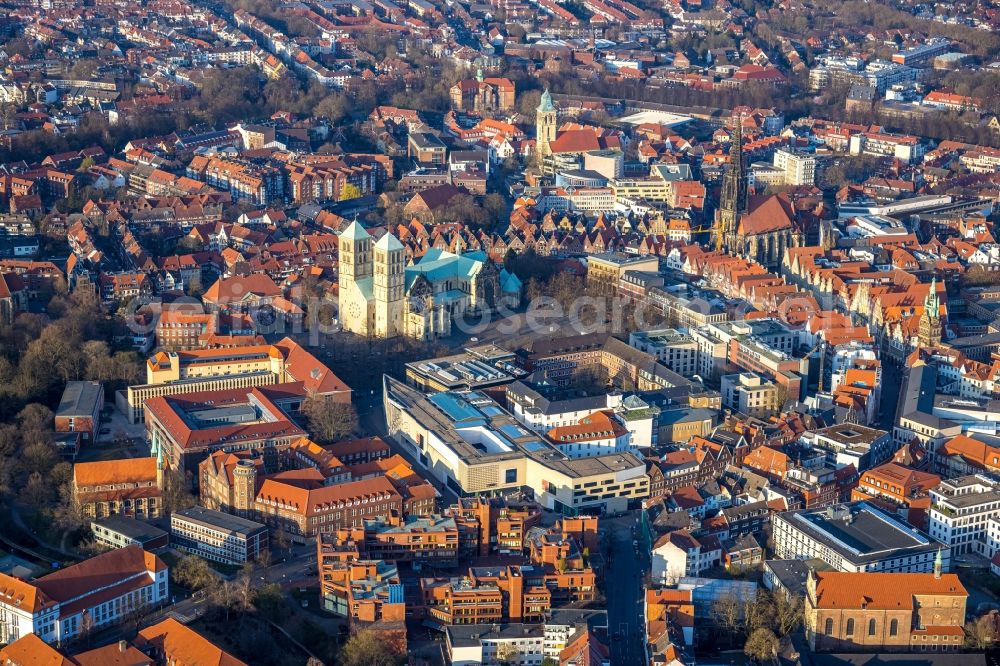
367,648
349,191
762,645
329,421
507,653
981,632
726,612
193,573
176,496
788,612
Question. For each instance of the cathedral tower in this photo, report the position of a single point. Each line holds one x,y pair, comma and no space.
388,285
355,254
733,200
545,127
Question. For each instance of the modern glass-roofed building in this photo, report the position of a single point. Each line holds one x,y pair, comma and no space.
473,445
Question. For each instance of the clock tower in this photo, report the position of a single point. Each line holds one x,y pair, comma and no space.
355,278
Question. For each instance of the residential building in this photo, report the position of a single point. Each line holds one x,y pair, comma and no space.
960,510
750,394
797,168
216,536
678,554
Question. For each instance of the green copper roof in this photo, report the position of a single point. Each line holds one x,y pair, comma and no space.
546,102
389,243
354,231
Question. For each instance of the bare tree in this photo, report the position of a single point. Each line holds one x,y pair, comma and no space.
329,421
727,613
762,645
981,632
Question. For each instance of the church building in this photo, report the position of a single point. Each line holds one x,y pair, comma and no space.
380,296
761,231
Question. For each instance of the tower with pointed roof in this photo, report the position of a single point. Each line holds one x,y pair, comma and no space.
388,285
545,127
733,199
929,328
355,279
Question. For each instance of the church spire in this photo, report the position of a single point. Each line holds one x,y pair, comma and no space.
733,199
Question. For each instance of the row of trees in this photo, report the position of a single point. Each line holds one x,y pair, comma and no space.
762,621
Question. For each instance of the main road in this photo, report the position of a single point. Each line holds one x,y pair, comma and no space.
623,587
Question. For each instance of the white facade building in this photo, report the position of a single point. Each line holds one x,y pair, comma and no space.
961,510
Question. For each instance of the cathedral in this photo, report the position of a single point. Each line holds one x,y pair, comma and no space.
382,297
761,232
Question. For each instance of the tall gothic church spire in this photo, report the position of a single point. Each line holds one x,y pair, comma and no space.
733,200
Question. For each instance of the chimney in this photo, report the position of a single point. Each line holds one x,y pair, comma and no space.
122,646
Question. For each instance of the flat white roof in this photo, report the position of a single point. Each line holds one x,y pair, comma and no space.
657,117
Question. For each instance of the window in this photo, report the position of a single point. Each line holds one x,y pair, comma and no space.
510,476
829,626
871,627
850,627
894,627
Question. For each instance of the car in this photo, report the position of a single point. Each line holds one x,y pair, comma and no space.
635,544
104,431
617,636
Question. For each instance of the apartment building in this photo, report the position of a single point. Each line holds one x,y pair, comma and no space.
131,487
796,167
216,536
678,351
565,637
487,525
369,593
605,271
749,393
89,596
244,180
423,540
884,612
678,554
902,487
906,148
960,511
852,444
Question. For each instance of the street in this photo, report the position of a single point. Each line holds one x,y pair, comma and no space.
623,588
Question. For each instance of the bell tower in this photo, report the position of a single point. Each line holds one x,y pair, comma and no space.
388,283
545,127
733,199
